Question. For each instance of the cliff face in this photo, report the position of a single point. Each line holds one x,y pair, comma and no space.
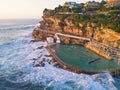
90,30
108,37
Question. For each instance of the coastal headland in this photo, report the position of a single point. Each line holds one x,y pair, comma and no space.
85,27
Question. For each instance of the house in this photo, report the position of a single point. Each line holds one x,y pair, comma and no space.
112,3
92,4
71,4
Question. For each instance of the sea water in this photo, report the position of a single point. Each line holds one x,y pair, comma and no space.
17,71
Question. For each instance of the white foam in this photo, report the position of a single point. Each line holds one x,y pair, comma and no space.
55,77
50,76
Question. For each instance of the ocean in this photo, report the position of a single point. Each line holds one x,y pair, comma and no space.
17,71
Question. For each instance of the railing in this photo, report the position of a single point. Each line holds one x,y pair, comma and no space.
109,51
72,36
69,13
66,35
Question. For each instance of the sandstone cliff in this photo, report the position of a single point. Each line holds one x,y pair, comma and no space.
90,30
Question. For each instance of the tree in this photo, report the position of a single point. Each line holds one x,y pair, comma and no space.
62,24
45,10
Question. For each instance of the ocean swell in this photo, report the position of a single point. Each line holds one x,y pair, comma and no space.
23,72
17,27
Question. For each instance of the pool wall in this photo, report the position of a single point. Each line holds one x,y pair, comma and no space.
113,72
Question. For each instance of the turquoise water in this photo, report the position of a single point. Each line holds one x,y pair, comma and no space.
17,71
79,56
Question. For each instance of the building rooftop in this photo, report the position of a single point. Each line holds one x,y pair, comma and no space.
112,1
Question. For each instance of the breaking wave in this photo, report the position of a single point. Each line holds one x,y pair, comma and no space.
17,27
19,71
18,68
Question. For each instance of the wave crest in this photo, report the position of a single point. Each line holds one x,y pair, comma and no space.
15,27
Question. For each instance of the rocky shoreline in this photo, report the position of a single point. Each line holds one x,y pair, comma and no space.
42,56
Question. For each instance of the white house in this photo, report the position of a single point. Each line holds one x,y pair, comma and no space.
71,4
